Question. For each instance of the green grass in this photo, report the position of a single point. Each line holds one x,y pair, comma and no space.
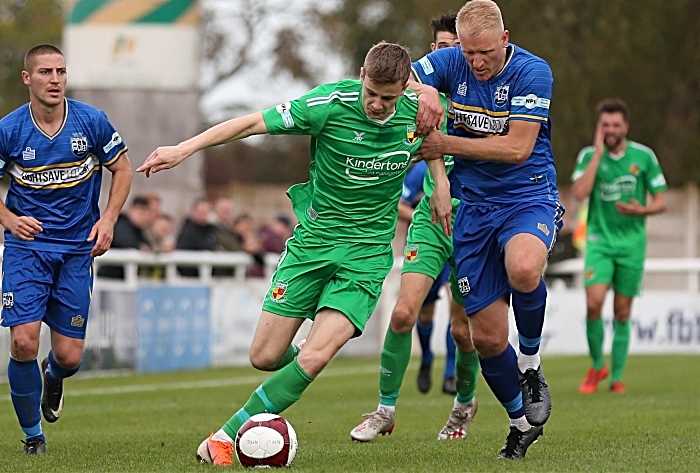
155,422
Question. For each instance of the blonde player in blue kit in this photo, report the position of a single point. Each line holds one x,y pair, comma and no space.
499,133
53,150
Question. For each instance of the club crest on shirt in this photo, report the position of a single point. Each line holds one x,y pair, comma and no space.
500,97
279,291
411,254
634,169
28,154
8,300
411,135
79,144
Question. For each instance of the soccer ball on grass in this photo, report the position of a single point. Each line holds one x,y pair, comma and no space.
266,440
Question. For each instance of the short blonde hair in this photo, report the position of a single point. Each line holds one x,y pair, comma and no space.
478,16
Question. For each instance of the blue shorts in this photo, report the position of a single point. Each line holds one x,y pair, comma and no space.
442,278
48,286
480,234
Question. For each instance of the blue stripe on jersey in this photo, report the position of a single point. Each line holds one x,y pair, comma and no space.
57,179
521,91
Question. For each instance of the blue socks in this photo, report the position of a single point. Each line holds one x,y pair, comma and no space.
501,374
424,333
529,317
25,390
56,373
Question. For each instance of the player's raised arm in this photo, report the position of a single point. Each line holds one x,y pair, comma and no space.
167,157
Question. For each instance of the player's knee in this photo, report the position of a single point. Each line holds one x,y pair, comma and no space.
402,319
24,348
488,345
462,337
313,362
261,360
525,275
68,360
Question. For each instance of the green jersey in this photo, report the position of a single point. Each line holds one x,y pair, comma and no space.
357,164
620,178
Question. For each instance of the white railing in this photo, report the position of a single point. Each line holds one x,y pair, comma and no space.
689,266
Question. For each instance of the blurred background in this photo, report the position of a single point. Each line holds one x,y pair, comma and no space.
164,70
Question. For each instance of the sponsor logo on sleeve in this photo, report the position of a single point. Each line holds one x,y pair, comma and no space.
28,154
658,181
284,109
530,101
426,65
116,140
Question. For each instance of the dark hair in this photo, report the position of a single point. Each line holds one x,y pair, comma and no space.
38,51
446,22
140,201
388,63
614,106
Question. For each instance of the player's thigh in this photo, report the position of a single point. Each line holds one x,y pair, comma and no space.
26,285
489,328
480,272
69,304
330,331
599,265
68,351
527,235
355,288
629,272
305,268
411,301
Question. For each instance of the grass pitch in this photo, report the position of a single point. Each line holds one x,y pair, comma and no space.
155,422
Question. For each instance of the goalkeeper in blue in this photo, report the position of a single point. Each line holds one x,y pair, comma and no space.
53,151
498,131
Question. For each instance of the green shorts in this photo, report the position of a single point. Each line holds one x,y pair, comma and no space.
314,273
428,249
623,269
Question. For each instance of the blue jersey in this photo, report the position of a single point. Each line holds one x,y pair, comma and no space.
521,91
413,183
56,179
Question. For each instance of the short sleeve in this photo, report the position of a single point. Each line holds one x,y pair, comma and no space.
303,116
110,145
532,93
434,69
582,160
655,180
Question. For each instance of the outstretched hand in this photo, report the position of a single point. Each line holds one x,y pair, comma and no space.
162,158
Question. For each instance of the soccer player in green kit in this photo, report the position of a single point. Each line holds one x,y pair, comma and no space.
617,174
427,251
333,267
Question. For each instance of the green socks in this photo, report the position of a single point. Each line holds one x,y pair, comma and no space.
595,331
276,394
287,358
394,361
620,348
467,375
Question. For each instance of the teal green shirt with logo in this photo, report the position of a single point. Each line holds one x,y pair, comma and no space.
630,175
357,164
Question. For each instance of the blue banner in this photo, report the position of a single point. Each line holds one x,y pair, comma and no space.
173,328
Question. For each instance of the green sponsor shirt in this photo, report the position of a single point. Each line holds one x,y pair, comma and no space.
620,178
357,164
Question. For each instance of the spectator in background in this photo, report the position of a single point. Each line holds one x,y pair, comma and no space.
227,239
197,233
163,230
129,232
624,184
274,235
244,227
